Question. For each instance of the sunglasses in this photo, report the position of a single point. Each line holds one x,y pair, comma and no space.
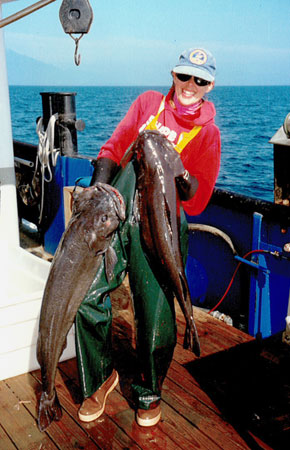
199,81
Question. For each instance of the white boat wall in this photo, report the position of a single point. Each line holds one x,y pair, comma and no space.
23,275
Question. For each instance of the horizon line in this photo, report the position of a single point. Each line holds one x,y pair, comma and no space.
141,85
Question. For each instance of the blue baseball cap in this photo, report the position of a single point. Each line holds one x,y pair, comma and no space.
197,62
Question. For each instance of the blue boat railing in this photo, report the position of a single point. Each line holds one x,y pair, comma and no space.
260,289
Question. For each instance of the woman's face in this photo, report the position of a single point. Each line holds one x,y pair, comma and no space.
188,92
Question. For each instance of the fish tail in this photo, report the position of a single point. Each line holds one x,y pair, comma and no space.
49,410
191,339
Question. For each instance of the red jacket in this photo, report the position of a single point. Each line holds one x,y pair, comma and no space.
201,156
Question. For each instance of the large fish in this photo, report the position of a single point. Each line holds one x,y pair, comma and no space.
96,214
159,207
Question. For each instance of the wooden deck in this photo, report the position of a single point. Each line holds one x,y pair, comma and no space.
235,396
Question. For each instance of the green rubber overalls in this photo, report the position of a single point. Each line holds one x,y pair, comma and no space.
154,312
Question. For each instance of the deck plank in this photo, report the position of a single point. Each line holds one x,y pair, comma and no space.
65,434
227,379
5,441
201,417
184,379
235,396
16,419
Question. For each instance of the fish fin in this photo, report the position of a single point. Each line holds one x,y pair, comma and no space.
49,410
38,348
128,155
110,262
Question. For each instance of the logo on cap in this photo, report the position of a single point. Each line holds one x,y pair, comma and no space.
198,57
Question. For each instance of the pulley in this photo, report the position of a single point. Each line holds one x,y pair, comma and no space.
76,17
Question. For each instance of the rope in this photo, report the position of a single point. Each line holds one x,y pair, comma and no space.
45,153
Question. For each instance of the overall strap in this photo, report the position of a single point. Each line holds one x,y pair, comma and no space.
184,137
152,125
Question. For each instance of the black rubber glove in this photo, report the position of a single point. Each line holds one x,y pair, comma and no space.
186,185
104,171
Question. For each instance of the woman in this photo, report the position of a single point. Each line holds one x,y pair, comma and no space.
187,120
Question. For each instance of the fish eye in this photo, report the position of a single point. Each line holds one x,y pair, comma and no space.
104,218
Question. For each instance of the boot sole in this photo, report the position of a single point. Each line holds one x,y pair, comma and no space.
100,412
148,422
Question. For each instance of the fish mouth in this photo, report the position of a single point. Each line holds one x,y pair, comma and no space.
101,252
109,235
107,238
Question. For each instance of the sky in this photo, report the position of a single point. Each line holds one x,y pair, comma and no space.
134,42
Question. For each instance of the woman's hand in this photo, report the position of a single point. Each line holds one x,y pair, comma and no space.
104,171
186,185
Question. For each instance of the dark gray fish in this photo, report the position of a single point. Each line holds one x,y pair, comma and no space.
96,214
157,166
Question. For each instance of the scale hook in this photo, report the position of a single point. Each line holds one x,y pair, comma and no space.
77,56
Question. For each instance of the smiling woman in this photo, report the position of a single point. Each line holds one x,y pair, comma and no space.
193,76
186,120
190,92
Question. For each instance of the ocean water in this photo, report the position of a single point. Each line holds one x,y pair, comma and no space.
248,116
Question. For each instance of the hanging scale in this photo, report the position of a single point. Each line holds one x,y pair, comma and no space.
76,17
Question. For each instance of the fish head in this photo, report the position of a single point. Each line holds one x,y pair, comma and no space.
98,210
154,151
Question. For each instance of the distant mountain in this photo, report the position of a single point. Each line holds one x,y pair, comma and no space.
23,70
